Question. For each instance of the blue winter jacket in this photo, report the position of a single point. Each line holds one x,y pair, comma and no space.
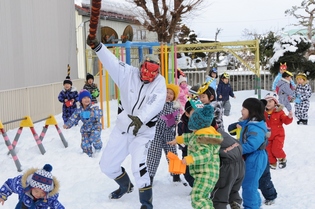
225,90
69,95
20,186
252,136
90,116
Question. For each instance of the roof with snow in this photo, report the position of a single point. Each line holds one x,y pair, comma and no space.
110,11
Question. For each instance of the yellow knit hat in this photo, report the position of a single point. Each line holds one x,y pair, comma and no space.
174,88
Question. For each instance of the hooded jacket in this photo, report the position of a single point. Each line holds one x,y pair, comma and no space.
275,121
203,150
21,186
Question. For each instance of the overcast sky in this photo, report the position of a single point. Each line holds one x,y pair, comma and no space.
234,16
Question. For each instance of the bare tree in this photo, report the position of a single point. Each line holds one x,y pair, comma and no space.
162,16
304,20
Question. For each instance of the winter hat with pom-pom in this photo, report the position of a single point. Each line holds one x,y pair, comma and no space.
84,93
201,118
67,80
272,96
43,179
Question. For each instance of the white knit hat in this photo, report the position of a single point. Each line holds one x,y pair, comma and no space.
43,179
272,96
181,79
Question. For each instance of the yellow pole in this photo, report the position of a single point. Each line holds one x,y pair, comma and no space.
166,63
107,99
162,60
101,89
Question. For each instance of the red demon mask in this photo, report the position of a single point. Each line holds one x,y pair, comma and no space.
149,71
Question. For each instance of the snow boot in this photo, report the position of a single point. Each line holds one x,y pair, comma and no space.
282,163
270,202
125,186
304,122
235,205
145,196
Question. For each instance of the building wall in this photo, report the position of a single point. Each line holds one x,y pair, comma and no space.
37,42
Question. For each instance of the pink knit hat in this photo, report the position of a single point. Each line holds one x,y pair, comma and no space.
272,96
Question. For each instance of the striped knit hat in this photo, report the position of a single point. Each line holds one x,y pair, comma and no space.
43,179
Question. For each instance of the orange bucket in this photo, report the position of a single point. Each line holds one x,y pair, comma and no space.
175,164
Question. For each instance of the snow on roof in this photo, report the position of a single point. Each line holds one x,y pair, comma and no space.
119,7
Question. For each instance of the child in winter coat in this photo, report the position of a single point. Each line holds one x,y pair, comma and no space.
165,131
283,67
37,189
91,87
183,92
203,155
232,171
92,128
275,118
207,96
182,127
285,91
68,96
303,93
253,141
212,78
224,91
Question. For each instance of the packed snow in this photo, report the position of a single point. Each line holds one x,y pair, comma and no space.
83,185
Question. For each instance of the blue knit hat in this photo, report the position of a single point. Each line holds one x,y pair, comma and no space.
201,118
84,93
43,179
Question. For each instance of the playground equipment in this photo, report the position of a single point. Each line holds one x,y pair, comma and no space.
132,53
27,122
50,120
10,147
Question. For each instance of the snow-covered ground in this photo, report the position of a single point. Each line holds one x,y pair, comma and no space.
84,186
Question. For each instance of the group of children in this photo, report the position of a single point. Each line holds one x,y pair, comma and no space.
287,91
89,113
218,165
260,142
38,188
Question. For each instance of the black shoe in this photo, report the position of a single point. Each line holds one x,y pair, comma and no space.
282,163
176,178
304,122
298,122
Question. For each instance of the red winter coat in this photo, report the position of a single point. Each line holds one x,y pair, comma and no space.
275,121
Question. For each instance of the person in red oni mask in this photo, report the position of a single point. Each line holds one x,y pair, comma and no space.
142,94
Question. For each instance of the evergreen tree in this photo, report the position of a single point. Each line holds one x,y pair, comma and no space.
291,50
